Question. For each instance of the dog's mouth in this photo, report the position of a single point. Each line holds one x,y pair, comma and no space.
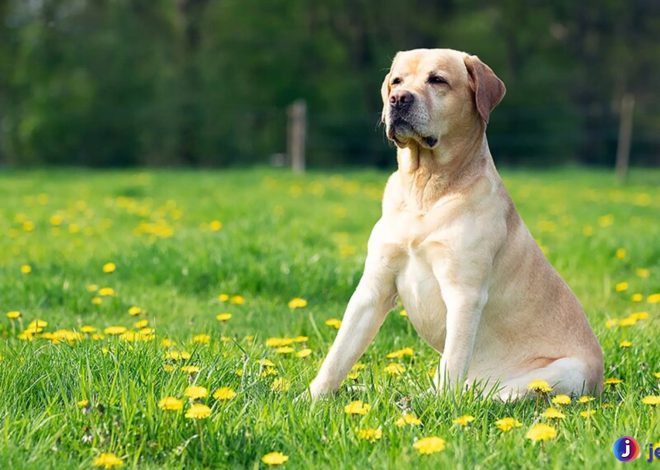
401,131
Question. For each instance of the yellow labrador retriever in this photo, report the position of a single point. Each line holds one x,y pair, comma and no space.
452,246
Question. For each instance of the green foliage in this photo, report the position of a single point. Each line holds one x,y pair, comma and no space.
127,82
284,236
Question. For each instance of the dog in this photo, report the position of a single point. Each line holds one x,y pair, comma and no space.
451,245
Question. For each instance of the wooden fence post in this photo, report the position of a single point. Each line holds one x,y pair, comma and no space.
625,135
296,133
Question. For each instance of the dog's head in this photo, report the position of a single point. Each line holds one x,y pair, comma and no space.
429,93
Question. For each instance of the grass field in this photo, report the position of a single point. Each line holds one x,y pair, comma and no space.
91,354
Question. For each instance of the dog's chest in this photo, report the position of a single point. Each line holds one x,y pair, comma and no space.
420,294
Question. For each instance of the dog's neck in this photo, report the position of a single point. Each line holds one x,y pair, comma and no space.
428,174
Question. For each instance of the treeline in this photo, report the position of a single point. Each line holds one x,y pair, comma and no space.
203,82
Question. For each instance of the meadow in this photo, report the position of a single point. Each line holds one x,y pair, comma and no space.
168,319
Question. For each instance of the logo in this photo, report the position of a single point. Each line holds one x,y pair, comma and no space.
626,449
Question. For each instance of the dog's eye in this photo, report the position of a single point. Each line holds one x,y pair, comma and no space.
396,81
436,80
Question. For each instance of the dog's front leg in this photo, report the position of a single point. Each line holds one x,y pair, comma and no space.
373,298
464,296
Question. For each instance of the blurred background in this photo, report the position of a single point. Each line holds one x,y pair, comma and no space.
211,82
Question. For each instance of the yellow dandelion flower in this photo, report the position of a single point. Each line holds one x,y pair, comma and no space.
297,302
401,353
274,458
464,420
370,434
277,342
611,323
36,326
198,411
644,273
587,414
91,287
284,350
541,432
266,363
657,375
304,353
553,413
115,330
195,392
169,367
223,297
215,225
585,399
333,322
87,329
83,403
13,315
621,286
280,385
561,400
507,424
612,381
109,268
201,339
107,460
639,315
166,343
637,297
403,313
26,269
408,419
135,311
223,316
97,300
625,344
141,324
628,321
170,404
651,400
357,408
190,369
107,292
224,394
653,298
620,253
301,339
237,299
539,386
394,369
430,445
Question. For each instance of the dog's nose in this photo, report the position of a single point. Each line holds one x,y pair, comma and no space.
401,100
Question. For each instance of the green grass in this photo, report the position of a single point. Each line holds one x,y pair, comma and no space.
285,236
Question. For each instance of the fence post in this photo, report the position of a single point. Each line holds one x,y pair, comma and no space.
625,135
296,130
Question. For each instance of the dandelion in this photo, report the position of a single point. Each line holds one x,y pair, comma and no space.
333,322
612,381
653,298
223,297
115,330
394,369
224,394
237,300
357,408
107,292
620,253
639,316
621,286
109,268
91,287
195,391
280,385
625,344
464,420
637,297
135,311
403,313
561,400
198,411
82,403
297,302
107,460
276,342
140,324
539,386
553,413
26,269
541,432
400,353
408,419
585,399
611,323
190,369
301,339
587,414
215,225
274,458
430,445
13,315
507,424
657,375
223,316
170,404
166,343
643,273
370,434
304,353
97,300
87,329
201,339
651,400
284,350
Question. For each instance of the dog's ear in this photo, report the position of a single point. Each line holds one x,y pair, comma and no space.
385,93
487,87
